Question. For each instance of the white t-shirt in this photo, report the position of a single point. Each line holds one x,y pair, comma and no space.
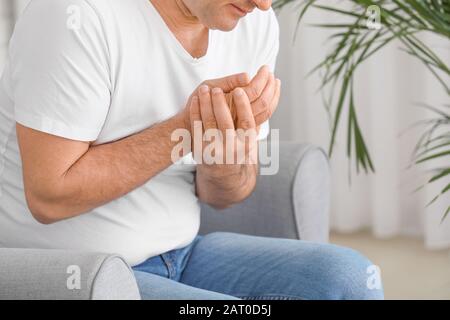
101,70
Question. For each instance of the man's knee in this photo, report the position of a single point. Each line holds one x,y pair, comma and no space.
350,275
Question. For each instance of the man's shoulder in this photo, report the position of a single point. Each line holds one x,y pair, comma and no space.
51,10
115,5
98,6
61,4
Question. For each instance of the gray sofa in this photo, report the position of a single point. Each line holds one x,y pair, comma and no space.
291,204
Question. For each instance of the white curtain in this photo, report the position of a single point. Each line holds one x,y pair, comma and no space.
387,87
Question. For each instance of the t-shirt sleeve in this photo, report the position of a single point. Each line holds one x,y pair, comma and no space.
59,69
268,54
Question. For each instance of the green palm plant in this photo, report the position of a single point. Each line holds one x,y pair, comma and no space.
399,20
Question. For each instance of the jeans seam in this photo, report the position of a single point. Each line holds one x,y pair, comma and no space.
189,255
268,296
169,266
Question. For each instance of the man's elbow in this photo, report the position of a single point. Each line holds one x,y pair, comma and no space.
46,210
42,217
220,206
41,210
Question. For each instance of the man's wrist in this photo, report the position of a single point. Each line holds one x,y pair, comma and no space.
224,188
229,177
182,121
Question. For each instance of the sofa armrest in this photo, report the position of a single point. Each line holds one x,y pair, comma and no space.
293,204
30,274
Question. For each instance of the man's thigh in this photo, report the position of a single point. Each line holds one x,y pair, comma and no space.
154,287
252,267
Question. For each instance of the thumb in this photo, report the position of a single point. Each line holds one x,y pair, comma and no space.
229,83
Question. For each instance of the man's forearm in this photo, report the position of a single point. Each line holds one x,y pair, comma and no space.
109,171
225,185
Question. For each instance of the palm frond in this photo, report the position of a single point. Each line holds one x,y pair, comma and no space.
402,21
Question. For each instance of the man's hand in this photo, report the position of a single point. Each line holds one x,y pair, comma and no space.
263,92
210,115
224,183
227,84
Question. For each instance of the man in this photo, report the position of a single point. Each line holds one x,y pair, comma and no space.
90,98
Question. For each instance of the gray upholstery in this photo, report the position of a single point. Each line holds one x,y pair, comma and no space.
49,275
291,204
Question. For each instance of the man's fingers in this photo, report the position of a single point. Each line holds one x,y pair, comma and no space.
221,111
267,114
194,111
196,128
263,102
206,111
245,118
229,83
257,85
247,131
276,97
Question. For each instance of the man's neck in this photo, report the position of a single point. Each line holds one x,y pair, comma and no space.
177,15
186,27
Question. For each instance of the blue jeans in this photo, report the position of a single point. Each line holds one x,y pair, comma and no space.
224,266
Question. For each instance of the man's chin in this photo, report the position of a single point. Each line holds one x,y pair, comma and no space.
227,25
